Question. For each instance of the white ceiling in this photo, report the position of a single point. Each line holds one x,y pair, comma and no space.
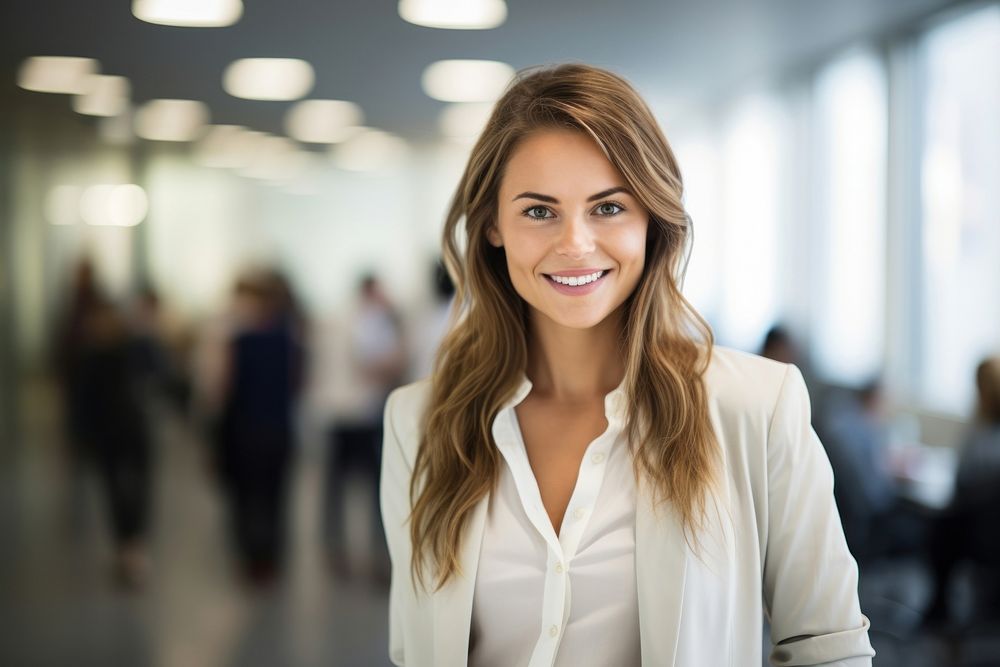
677,53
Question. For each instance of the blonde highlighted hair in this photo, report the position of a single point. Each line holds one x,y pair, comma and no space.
665,343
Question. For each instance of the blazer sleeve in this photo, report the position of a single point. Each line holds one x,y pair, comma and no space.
810,578
394,498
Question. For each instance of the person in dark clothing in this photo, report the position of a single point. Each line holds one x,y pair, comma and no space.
99,369
966,531
69,348
114,425
256,430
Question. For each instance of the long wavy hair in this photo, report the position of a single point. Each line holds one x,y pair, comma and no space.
666,345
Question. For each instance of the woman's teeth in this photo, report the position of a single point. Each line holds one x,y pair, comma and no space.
577,280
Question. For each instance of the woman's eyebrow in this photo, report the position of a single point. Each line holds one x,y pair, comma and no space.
552,200
535,195
607,193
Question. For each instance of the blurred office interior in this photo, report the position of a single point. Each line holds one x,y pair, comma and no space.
187,198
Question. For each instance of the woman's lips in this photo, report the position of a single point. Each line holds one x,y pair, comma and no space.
577,290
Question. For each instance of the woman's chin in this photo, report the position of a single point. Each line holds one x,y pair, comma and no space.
576,320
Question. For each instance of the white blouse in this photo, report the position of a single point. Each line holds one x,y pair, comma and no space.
570,599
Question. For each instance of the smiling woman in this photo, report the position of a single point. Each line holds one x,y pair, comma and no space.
586,479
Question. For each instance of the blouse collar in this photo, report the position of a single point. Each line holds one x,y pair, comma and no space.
615,403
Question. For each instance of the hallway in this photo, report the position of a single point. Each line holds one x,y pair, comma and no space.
60,605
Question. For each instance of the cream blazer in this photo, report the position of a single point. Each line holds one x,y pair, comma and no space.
773,543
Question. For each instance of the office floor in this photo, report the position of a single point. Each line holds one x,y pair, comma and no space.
60,607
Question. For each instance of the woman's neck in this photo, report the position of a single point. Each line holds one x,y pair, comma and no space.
574,365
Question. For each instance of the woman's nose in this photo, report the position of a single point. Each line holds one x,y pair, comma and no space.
575,238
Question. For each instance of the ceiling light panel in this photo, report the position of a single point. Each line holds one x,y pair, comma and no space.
245,147
123,205
189,13
371,150
466,80
268,78
454,14
323,121
222,146
56,74
105,96
171,120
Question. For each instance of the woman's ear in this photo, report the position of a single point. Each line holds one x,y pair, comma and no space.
493,236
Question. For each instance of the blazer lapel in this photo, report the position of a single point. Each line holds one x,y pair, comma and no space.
661,556
453,602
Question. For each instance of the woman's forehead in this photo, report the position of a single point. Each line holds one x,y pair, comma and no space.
559,163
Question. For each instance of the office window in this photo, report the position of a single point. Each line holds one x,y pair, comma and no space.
850,221
960,173
697,154
754,181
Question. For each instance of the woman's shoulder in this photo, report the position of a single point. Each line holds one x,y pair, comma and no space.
737,370
404,412
741,383
410,397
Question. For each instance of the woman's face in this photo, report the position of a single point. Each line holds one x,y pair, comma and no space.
574,236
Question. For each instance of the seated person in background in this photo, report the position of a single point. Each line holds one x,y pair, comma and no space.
967,530
979,463
876,522
778,345
781,345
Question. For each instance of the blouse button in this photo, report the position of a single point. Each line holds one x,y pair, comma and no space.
578,513
598,457
553,631
559,568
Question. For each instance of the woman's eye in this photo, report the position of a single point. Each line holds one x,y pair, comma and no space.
609,208
537,212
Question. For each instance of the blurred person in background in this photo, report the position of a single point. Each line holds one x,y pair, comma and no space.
68,350
161,342
148,330
968,530
432,326
778,345
260,377
103,373
877,522
377,363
